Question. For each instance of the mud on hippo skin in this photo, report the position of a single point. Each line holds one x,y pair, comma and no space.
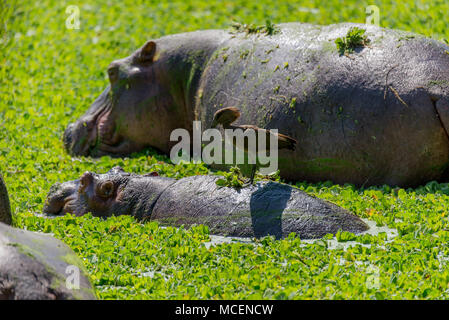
377,116
268,208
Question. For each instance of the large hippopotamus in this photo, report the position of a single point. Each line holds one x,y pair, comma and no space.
378,115
268,208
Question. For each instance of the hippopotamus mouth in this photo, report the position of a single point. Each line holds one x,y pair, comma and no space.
83,137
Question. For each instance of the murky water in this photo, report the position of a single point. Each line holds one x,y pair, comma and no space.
332,243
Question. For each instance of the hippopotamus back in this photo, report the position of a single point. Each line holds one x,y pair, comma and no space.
369,117
267,208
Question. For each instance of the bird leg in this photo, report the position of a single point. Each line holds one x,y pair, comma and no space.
250,181
253,173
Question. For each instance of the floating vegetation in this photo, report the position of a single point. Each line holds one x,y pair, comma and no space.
355,38
233,178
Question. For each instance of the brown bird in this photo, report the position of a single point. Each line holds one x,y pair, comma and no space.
226,116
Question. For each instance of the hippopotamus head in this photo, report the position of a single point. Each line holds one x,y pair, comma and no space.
147,98
113,193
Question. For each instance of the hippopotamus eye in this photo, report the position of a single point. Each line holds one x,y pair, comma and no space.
106,189
113,72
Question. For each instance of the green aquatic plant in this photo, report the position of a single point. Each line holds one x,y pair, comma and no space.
233,178
268,29
355,38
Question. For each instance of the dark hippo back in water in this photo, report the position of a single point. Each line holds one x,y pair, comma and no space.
268,208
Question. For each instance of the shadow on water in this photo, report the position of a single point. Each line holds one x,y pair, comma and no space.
267,205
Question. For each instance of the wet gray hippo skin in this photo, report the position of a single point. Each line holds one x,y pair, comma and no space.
267,208
377,116
35,266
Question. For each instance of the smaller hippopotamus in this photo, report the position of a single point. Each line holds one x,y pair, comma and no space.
267,208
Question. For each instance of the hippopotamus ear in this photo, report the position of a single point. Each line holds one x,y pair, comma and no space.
151,174
147,52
